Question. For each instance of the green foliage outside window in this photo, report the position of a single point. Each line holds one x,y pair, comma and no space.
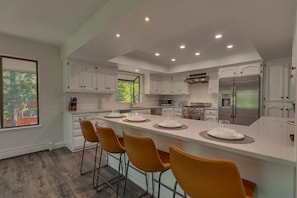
128,92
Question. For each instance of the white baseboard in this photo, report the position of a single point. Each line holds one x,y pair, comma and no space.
29,149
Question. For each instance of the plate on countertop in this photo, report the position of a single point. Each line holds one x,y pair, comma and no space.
225,133
170,124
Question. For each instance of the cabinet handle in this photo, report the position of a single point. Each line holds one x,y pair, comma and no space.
287,109
282,97
293,68
287,97
282,109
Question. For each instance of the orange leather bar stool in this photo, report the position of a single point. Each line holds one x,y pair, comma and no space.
111,144
201,177
142,153
89,134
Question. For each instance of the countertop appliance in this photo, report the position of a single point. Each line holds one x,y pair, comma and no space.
195,110
166,102
239,99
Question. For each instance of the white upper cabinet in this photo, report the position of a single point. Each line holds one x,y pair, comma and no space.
247,70
89,78
153,84
227,72
277,86
179,87
81,77
165,84
240,70
107,79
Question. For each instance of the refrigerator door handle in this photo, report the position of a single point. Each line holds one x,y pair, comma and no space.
234,102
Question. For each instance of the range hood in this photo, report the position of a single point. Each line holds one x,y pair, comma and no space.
197,78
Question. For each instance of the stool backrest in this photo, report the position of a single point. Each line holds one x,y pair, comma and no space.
109,140
201,177
142,153
88,131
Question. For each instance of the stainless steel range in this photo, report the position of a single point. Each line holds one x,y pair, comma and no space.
195,110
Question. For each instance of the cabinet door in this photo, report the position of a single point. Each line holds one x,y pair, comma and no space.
89,78
166,85
247,70
213,86
167,112
227,72
276,82
274,109
75,76
179,86
101,84
111,79
155,84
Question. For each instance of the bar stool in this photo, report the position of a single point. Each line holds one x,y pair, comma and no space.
111,144
142,153
89,134
201,177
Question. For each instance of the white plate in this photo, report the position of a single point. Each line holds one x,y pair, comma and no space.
225,133
170,124
136,119
114,115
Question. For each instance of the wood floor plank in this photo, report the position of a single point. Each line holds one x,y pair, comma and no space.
54,174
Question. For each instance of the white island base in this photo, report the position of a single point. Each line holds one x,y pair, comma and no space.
269,161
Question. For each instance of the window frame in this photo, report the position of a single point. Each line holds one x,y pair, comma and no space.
2,124
140,79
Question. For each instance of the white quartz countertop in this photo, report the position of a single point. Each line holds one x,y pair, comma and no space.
271,135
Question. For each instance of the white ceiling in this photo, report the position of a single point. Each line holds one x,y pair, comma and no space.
257,29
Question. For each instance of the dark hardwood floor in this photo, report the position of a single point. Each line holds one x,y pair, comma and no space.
53,174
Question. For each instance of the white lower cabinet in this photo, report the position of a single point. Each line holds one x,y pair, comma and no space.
211,115
174,112
73,136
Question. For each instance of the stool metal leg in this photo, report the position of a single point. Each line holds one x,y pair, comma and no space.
82,158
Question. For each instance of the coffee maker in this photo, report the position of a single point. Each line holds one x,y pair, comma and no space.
72,104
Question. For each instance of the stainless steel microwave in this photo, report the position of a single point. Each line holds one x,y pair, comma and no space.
166,102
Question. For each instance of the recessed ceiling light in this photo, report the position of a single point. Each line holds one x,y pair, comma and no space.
182,46
173,59
218,36
118,35
147,19
229,46
197,54
157,54
136,70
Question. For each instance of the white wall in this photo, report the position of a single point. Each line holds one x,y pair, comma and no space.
20,141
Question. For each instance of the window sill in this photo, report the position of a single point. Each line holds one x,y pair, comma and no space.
19,128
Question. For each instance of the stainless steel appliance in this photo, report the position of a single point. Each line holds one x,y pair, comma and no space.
195,110
166,102
239,99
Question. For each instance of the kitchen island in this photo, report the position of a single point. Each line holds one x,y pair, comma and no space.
269,161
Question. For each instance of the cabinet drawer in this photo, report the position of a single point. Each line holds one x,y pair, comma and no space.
210,112
213,118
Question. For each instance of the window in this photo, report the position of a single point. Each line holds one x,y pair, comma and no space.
19,92
128,88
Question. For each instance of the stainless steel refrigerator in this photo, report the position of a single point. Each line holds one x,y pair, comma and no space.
239,99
